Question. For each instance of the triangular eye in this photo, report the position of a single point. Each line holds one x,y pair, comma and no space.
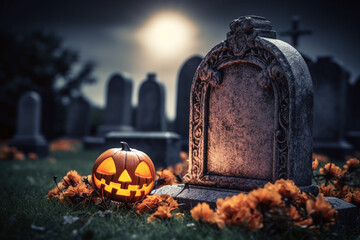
107,167
143,170
124,177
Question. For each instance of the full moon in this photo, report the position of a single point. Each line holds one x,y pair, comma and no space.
167,34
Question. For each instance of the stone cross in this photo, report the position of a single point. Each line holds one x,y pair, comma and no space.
77,118
28,136
118,105
330,87
185,78
295,32
151,106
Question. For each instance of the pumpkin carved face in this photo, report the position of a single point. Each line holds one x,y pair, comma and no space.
123,174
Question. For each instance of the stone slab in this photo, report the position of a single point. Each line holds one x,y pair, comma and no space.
336,150
162,147
93,143
188,197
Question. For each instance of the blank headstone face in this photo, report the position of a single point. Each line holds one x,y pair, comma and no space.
251,111
77,119
150,111
330,82
185,79
118,104
241,110
29,114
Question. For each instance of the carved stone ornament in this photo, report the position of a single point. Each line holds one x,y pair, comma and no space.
284,74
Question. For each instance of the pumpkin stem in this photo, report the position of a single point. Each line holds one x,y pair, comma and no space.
125,146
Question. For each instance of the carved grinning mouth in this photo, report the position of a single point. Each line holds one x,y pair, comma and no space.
123,192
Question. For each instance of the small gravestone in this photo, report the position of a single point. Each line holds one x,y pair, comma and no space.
353,133
250,118
150,136
77,119
118,105
185,78
151,106
330,86
28,137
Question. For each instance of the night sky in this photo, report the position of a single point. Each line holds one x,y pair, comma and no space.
113,33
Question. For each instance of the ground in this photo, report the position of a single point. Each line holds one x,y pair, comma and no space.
26,214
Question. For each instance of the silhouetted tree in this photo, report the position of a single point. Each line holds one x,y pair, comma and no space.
38,61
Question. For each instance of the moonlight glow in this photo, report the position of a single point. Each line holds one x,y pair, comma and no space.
167,34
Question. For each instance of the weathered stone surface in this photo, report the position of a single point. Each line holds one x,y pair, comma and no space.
28,137
330,86
250,111
353,114
151,106
185,79
347,213
77,119
162,147
118,105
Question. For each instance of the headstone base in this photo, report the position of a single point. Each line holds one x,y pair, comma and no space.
354,138
189,196
33,144
162,147
337,150
93,143
104,129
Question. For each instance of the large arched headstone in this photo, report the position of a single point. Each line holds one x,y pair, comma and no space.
28,136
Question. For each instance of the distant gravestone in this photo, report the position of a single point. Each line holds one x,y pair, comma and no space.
250,116
151,106
118,105
77,119
330,87
150,136
28,137
185,79
353,127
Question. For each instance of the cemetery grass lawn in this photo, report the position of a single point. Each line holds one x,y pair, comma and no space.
26,214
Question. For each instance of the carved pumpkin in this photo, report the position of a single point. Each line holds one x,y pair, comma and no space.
123,174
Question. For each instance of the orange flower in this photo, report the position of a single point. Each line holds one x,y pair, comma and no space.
19,156
238,210
33,156
328,190
81,190
330,171
163,212
64,145
321,211
353,198
297,219
319,157
263,196
315,164
154,201
351,164
72,178
168,176
203,212
286,188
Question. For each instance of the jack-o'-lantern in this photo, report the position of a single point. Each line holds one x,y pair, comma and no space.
123,174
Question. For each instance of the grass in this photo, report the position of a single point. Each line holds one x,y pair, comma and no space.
26,214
